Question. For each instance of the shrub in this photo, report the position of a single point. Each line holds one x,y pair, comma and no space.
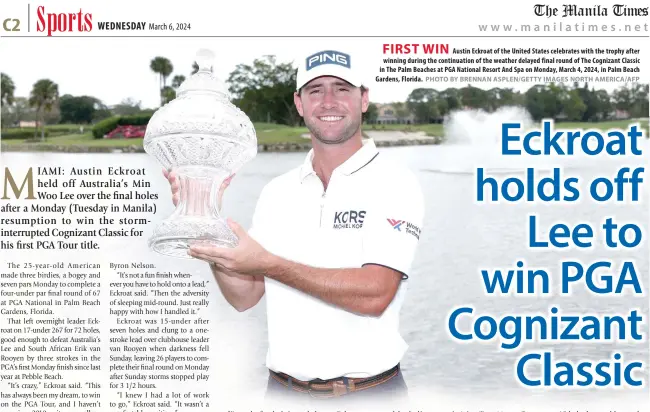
107,125
24,133
140,119
62,129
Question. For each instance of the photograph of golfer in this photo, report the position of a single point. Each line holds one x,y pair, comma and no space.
331,247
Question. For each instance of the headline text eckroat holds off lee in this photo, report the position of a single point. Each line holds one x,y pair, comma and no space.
600,277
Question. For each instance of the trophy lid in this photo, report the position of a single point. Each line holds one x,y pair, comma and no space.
201,127
203,80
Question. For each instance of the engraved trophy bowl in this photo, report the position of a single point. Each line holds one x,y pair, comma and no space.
204,139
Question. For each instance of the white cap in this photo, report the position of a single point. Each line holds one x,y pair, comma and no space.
327,63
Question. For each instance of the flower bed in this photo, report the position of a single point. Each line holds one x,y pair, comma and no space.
126,132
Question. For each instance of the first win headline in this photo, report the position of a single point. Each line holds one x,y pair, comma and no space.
600,277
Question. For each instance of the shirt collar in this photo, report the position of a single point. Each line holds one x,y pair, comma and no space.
357,161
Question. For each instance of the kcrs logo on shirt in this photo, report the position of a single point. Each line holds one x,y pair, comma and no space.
408,227
350,219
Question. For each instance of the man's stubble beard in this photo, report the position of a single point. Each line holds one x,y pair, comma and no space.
346,134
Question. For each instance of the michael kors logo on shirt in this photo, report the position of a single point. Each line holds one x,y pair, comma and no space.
350,219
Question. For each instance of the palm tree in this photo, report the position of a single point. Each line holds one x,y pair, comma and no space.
44,95
177,81
8,88
163,67
195,68
168,94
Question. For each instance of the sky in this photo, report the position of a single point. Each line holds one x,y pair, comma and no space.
113,69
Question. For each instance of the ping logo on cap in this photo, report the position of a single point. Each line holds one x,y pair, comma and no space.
328,57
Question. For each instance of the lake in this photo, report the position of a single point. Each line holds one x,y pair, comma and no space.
460,237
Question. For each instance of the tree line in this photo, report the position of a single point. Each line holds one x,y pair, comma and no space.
579,103
45,105
264,91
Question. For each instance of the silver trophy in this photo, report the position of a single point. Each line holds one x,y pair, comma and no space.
204,138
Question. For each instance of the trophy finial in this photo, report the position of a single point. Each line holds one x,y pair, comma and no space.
204,59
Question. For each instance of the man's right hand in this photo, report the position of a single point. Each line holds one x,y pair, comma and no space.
175,186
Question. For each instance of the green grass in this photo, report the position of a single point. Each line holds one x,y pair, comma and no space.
438,129
85,139
619,124
430,129
55,127
268,133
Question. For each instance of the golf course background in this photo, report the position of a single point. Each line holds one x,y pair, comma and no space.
50,119
70,137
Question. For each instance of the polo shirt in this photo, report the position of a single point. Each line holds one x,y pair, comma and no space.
371,213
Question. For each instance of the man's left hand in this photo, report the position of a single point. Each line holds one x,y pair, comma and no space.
247,258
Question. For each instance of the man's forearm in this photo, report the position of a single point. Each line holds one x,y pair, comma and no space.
241,291
368,290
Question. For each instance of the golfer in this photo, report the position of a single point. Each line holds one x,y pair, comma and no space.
331,246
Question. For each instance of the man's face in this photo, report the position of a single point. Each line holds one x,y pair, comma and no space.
331,108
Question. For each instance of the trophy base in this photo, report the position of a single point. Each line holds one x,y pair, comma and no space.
175,237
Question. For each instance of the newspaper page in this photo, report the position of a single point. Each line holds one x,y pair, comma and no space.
287,206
